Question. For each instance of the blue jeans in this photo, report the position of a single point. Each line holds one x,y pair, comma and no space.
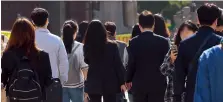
73,94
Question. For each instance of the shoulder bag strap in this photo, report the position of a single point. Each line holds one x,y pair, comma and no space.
199,52
74,49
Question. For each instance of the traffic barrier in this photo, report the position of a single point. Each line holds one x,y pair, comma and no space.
6,33
124,37
121,37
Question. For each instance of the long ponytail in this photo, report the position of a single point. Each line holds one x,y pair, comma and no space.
69,29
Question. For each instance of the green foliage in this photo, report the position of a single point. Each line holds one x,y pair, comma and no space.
153,6
167,8
179,4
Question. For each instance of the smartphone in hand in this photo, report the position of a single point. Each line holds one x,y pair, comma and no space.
174,48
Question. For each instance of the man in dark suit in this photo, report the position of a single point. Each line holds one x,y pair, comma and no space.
207,16
146,54
111,28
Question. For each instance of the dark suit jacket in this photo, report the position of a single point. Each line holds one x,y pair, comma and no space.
41,65
105,74
187,51
146,54
121,46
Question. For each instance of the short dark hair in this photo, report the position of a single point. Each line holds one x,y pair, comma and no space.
82,30
39,16
110,27
208,13
220,19
146,19
3,37
135,30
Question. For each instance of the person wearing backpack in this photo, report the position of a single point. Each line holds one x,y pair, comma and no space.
26,70
190,49
73,89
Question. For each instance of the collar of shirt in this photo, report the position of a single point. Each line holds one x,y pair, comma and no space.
147,31
42,30
205,30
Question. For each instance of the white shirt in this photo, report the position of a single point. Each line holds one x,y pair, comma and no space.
54,46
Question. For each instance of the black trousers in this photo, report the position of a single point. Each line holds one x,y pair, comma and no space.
106,98
146,97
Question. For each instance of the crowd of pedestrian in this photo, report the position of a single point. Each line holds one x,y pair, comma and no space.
88,64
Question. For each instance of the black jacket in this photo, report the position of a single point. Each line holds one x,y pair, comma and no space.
146,54
105,74
187,51
41,63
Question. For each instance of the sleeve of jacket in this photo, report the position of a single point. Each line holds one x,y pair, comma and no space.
131,64
202,87
8,63
179,74
120,70
63,63
48,70
125,57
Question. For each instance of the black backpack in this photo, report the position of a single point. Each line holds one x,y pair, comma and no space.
24,84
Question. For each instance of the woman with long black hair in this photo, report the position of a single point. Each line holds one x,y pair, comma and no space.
160,27
106,71
82,31
73,89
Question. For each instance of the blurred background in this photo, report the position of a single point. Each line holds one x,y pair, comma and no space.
123,13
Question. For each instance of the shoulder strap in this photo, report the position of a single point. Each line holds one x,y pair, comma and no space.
200,50
74,48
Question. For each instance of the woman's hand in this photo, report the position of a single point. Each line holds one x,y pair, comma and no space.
123,88
86,97
173,56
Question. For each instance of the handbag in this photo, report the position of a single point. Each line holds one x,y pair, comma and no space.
55,89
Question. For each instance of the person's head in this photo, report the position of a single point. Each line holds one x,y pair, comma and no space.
135,30
146,20
22,36
82,31
220,23
208,15
160,27
111,28
69,32
2,38
185,30
2,44
40,17
96,37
